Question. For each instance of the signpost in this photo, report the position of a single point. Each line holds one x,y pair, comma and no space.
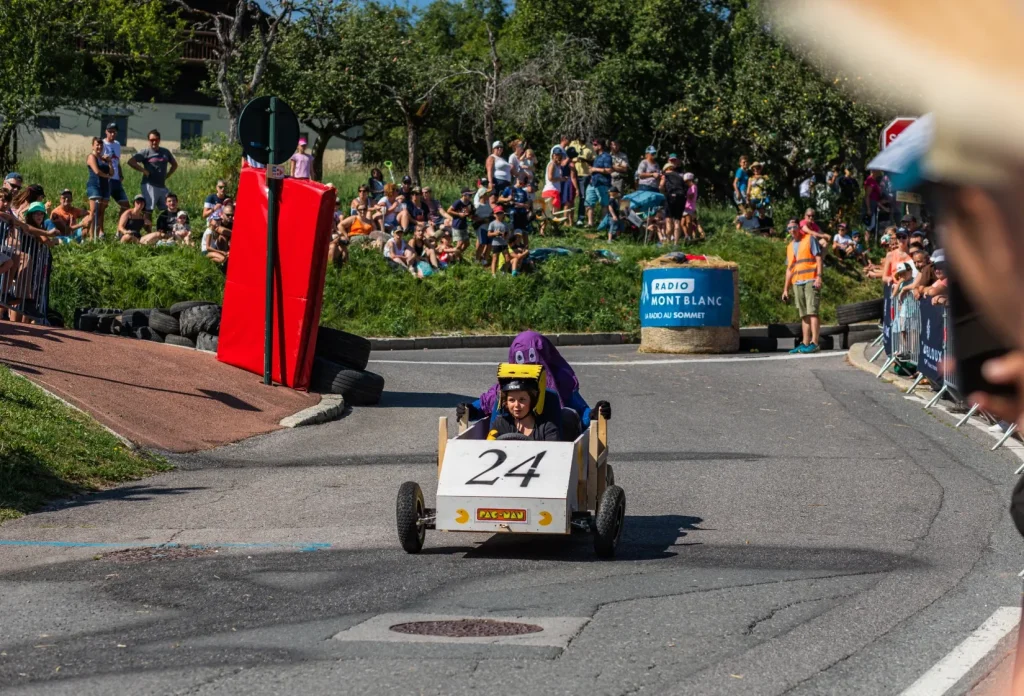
895,127
269,132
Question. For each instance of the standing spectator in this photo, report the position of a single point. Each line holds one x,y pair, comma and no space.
518,197
872,198
498,234
499,172
938,289
528,165
613,221
157,164
68,219
300,163
133,221
376,182
648,173
515,160
570,183
216,200
97,188
847,186
900,253
739,182
460,211
112,155
620,165
925,272
600,181
584,161
807,186
757,187
166,219
803,272
482,216
691,225
674,188
553,179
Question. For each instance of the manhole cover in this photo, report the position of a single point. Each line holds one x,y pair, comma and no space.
466,628
156,553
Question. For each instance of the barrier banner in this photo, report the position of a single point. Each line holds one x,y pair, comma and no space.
687,297
887,315
933,340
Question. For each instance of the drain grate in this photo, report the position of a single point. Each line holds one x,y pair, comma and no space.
143,554
466,628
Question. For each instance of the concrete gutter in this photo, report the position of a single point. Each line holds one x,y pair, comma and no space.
331,407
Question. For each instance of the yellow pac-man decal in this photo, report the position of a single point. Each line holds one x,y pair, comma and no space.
500,515
545,518
461,516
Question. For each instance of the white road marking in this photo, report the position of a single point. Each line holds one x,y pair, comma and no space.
615,363
952,668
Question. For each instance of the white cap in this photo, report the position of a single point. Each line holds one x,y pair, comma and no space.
905,267
688,176
497,143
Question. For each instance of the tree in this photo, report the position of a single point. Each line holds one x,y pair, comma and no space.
245,39
319,68
99,52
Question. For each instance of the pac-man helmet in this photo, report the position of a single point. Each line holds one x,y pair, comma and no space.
512,377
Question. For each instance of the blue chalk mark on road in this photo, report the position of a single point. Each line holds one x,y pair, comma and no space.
297,546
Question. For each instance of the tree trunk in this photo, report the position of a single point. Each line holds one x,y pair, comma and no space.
413,139
8,146
488,126
323,136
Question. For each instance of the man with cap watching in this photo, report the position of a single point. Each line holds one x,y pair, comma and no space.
583,161
112,156
69,220
600,181
648,173
804,268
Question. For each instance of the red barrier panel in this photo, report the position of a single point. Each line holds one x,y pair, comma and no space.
305,219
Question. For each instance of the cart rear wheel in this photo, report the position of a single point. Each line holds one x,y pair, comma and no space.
608,521
410,512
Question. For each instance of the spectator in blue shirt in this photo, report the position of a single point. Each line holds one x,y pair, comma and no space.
215,201
600,180
521,203
739,182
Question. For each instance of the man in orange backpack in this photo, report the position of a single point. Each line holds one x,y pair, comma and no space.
803,271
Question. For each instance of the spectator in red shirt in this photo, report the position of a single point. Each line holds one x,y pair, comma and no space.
809,226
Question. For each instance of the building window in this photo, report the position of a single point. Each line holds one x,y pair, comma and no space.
190,130
122,127
48,122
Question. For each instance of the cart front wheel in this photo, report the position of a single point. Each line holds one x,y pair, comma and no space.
608,521
410,512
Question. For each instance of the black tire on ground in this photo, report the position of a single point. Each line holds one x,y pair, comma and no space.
178,307
512,436
206,342
785,330
826,342
117,328
55,319
164,323
105,323
343,347
176,340
409,511
608,521
133,319
147,334
360,388
196,320
860,311
100,310
761,344
88,322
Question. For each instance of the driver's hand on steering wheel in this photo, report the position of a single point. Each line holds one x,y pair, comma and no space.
604,408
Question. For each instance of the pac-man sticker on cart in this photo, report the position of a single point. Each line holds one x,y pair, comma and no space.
501,515
461,516
545,518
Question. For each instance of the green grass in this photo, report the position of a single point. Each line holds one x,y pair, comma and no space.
48,450
566,294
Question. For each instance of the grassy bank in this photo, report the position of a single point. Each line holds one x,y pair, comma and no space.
574,293
48,450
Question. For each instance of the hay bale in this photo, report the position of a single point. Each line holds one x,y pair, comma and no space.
695,339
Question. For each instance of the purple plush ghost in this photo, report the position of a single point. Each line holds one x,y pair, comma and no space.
531,348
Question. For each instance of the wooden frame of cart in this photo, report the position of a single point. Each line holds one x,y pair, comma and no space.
517,486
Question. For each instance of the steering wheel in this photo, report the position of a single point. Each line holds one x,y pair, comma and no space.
513,436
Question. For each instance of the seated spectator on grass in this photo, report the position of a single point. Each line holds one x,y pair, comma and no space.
748,220
424,258
498,234
447,252
397,253
358,227
362,198
415,212
166,219
216,200
842,243
389,206
435,213
133,221
69,220
376,182
216,242
406,188
182,229
337,251
519,253
461,212
859,252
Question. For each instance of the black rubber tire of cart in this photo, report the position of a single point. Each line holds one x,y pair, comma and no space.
176,340
198,320
359,387
206,342
147,334
860,311
342,347
105,323
55,319
87,322
178,307
609,518
512,436
164,323
409,513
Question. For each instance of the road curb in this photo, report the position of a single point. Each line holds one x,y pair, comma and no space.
858,359
331,407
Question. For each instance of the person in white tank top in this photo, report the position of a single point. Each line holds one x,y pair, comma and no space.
499,172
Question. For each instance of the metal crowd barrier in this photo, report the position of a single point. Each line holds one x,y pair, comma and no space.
25,288
903,339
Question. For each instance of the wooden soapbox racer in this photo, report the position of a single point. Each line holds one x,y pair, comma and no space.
510,484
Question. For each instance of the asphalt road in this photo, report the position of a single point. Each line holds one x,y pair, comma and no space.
793,526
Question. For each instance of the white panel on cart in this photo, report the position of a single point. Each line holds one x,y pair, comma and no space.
507,469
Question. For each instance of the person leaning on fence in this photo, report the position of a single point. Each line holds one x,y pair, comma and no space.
803,272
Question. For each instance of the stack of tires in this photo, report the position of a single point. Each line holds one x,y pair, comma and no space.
858,312
190,324
340,368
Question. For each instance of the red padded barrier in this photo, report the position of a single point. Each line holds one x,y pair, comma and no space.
305,219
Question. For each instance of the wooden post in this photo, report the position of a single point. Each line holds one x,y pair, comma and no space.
581,478
592,468
464,424
442,441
